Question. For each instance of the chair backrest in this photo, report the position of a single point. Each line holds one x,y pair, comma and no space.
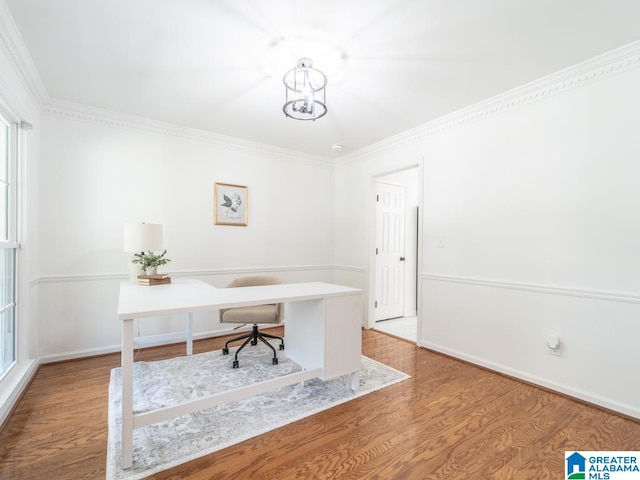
255,281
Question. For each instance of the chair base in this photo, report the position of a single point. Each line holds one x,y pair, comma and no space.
253,337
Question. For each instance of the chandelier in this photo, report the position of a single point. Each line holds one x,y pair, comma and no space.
306,97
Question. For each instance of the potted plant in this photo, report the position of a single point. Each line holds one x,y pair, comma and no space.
149,261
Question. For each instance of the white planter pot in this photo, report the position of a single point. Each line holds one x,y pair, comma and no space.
151,271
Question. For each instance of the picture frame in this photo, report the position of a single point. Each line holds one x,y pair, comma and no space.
231,204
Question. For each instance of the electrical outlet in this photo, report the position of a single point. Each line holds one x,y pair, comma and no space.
553,345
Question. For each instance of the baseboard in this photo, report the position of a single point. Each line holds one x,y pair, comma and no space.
177,337
16,389
577,394
141,342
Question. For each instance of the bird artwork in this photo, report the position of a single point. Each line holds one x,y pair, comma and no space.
232,204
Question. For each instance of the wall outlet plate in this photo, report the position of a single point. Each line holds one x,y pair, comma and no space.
553,344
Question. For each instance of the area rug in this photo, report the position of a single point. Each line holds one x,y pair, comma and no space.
179,440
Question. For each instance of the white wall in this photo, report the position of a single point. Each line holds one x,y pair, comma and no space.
98,175
535,194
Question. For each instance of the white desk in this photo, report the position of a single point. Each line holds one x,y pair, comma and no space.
323,335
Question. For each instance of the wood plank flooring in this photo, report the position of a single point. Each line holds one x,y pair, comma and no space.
451,421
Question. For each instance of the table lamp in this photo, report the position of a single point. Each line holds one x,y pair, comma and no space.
141,237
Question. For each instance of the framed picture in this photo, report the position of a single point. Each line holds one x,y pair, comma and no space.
231,205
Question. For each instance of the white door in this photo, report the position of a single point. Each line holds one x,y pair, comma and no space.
390,213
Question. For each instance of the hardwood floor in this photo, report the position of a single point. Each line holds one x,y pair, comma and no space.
450,420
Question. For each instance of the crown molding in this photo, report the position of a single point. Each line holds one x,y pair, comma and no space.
12,43
599,67
109,118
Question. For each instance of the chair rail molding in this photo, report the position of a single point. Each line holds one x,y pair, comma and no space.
89,277
349,268
624,297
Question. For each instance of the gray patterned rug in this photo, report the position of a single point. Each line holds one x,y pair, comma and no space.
167,444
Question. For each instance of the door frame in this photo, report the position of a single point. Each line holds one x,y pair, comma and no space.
371,243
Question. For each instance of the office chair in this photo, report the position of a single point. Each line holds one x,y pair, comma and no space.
272,313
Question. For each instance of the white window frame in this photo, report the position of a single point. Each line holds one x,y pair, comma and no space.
11,242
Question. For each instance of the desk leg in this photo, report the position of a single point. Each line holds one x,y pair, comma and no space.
127,393
190,333
355,381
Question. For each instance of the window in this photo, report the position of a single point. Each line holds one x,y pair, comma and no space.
8,245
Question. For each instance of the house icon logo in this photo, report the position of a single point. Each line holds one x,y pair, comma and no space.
576,466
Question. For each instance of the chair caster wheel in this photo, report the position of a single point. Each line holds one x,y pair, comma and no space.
282,346
236,364
225,351
275,360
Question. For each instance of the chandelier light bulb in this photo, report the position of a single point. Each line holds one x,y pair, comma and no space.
305,89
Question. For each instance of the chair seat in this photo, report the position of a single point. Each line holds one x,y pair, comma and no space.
256,314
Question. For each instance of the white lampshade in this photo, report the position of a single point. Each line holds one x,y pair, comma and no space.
142,237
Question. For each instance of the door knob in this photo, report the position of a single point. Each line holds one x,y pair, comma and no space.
402,259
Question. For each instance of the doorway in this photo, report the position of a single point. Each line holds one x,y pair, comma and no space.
390,251
395,264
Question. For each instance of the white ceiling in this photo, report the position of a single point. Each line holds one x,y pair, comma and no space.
217,65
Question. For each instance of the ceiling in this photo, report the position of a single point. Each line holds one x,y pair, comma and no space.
217,65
